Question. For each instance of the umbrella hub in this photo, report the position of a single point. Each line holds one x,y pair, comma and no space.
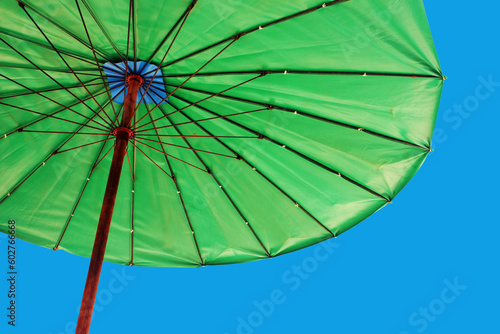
135,77
120,75
123,132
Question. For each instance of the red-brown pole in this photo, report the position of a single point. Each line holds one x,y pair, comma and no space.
123,133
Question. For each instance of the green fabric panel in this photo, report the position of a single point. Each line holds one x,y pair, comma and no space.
12,118
257,199
377,163
383,36
161,234
222,234
399,107
43,203
79,235
21,26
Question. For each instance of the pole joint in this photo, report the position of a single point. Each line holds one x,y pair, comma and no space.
118,132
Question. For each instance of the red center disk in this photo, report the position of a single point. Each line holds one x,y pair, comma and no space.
135,77
123,129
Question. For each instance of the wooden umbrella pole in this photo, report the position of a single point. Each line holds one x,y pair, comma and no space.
123,134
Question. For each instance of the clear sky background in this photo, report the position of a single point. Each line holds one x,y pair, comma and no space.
428,263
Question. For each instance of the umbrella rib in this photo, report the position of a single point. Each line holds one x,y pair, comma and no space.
163,59
104,156
81,58
296,203
364,74
95,55
154,92
200,136
67,32
182,200
147,156
192,75
119,92
50,70
208,119
48,90
209,97
186,12
39,120
59,104
75,206
134,48
120,72
156,86
55,117
179,146
221,187
201,120
67,65
128,36
124,94
247,222
130,166
259,27
261,136
166,154
234,39
132,176
296,112
187,148
66,132
57,82
133,207
81,146
86,144
91,12
43,161
168,126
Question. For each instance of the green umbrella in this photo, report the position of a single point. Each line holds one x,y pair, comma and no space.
241,129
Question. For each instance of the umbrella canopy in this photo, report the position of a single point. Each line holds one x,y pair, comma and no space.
267,126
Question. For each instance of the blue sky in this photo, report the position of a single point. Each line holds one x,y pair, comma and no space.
425,264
